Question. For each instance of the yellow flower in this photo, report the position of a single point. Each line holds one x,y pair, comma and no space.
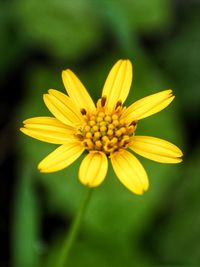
105,130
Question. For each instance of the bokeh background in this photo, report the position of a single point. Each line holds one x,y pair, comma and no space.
38,39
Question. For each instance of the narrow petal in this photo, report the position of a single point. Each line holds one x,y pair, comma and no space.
62,107
118,83
148,105
130,172
156,149
49,130
77,91
93,169
62,157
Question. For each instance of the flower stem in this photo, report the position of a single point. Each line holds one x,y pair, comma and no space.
73,231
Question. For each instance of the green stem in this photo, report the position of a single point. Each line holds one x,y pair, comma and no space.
73,231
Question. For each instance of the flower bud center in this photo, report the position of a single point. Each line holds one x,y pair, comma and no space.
106,132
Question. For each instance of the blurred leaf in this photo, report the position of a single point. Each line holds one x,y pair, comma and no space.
25,243
144,15
69,29
64,28
182,60
179,234
11,45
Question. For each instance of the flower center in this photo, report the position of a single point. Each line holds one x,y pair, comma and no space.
105,131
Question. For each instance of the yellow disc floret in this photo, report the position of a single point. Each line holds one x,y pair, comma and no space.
105,131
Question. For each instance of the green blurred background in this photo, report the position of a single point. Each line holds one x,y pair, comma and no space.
38,39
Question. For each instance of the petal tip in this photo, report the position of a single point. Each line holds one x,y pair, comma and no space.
22,129
127,62
41,168
172,97
146,188
45,96
63,72
179,153
141,192
66,72
168,91
51,91
179,160
124,60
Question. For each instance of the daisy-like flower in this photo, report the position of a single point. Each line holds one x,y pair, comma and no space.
105,130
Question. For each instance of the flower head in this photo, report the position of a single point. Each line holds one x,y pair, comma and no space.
105,130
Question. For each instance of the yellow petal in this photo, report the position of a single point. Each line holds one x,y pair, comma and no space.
148,105
93,169
77,91
48,129
156,149
62,107
62,157
118,83
130,172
